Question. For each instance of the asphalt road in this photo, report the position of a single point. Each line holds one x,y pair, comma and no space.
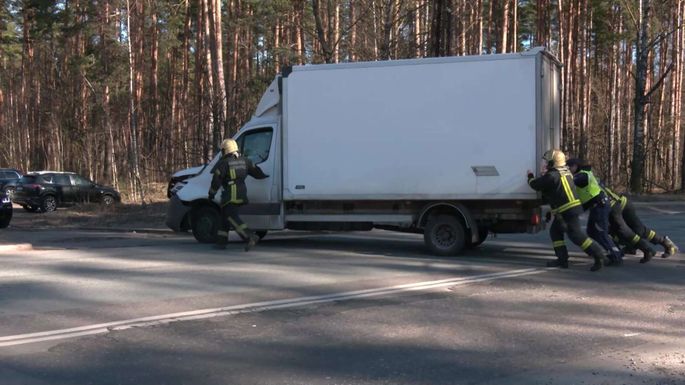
89,307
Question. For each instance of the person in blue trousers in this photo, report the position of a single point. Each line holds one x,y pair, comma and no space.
594,199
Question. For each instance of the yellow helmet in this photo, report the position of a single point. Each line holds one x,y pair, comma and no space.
229,146
555,157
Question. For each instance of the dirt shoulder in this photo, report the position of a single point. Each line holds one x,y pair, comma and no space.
95,216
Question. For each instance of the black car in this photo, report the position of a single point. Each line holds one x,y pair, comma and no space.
46,190
8,180
5,210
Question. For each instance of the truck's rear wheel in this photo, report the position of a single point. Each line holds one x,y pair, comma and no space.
444,235
205,224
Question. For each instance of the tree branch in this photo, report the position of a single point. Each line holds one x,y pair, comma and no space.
632,14
658,82
663,36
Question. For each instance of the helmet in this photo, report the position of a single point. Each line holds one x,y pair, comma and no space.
229,146
555,157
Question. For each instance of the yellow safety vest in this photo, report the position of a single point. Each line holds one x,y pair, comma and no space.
585,194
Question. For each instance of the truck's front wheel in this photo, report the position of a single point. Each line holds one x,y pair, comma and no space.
205,224
444,235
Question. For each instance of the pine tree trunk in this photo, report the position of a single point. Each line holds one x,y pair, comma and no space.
640,102
133,88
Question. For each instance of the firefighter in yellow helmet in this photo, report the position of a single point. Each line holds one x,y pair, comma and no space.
230,173
556,185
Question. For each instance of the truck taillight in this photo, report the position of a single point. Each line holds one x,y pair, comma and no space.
535,219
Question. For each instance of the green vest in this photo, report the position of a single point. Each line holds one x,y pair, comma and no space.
591,190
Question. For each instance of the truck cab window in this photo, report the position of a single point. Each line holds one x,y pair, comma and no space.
256,145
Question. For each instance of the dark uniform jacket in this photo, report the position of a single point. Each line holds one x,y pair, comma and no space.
615,198
557,189
230,173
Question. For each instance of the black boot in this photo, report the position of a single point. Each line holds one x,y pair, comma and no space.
251,241
648,255
597,253
599,263
669,248
647,250
562,263
562,258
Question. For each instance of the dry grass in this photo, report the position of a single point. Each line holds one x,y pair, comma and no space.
154,192
91,215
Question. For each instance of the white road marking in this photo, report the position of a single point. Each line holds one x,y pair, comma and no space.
22,339
669,212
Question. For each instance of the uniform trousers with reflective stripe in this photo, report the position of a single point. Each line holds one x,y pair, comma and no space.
569,223
231,219
634,222
622,232
598,228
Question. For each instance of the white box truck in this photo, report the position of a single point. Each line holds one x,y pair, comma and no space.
438,146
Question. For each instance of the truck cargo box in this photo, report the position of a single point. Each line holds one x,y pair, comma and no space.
453,128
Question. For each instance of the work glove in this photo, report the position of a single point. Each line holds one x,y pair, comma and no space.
548,217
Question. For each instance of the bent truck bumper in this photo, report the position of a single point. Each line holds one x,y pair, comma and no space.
176,215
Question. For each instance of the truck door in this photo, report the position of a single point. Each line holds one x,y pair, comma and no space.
263,212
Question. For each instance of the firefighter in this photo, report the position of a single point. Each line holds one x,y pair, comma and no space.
593,198
230,173
556,185
627,212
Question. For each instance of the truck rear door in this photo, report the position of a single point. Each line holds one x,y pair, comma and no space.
549,103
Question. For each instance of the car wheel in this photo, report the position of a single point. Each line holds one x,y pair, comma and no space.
444,235
9,191
107,200
31,209
204,222
49,204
